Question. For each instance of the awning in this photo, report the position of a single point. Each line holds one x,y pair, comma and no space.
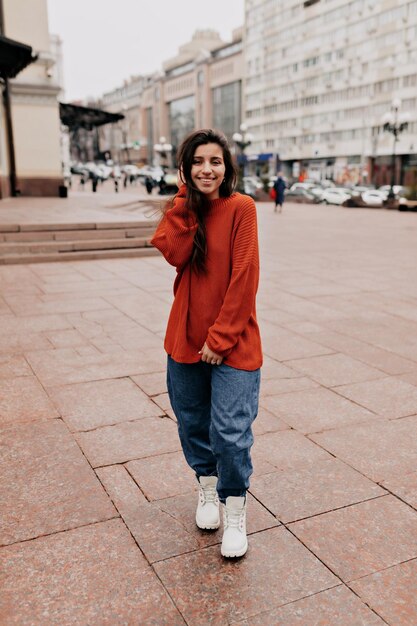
76,116
14,57
262,157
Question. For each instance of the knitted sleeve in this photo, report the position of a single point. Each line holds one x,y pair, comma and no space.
174,235
239,301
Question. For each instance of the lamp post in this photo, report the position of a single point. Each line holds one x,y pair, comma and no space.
395,123
242,140
163,149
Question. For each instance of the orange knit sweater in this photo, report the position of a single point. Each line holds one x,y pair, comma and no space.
217,307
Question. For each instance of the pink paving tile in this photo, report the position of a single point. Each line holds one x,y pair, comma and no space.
363,538
162,400
379,449
325,486
287,449
12,366
126,441
66,338
152,384
158,534
405,487
33,324
4,308
284,345
163,476
101,403
267,422
64,365
410,378
392,593
50,486
24,399
273,369
389,397
91,575
315,410
20,342
372,355
335,369
278,386
333,607
119,485
23,305
276,569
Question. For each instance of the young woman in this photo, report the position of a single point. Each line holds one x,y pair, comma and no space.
209,233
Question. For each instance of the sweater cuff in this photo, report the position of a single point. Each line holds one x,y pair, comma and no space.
217,349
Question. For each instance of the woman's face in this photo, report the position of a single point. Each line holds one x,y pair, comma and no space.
208,169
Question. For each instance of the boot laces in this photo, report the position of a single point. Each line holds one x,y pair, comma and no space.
208,494
234,518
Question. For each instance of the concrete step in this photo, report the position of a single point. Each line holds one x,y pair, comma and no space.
38,247
13,259
74,235
62,226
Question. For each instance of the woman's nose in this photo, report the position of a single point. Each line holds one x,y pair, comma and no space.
206,166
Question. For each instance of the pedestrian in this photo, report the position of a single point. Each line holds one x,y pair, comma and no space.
209,233
149,184
279,187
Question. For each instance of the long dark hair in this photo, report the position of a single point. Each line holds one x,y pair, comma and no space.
196,202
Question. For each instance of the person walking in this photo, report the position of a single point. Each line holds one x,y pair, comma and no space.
279,187
209,233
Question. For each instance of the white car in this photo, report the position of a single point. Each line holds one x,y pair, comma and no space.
398,189
374,197
335,195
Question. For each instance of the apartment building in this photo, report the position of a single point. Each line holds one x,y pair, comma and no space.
319,76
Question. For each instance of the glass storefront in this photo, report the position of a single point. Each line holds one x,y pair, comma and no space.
227,108
182,120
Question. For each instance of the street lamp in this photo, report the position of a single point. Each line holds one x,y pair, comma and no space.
162,149
242,140
395,123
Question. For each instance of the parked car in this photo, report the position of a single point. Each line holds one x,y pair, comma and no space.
336,195
398,189
254,181
155,173
300,194
374,197
249,187
316,190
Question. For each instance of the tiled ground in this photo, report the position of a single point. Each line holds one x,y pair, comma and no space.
97,503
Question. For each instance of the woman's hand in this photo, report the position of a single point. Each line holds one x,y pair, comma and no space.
208,356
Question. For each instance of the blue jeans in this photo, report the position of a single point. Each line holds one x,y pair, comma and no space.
215,406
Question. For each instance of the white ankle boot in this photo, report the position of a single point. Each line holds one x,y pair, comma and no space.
235,542
207,516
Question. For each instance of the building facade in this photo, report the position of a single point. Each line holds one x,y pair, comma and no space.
319,76
33,106
200,87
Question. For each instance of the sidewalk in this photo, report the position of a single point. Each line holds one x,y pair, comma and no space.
97,503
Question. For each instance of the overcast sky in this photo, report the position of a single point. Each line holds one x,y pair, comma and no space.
106,41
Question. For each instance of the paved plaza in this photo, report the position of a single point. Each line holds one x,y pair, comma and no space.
97,504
